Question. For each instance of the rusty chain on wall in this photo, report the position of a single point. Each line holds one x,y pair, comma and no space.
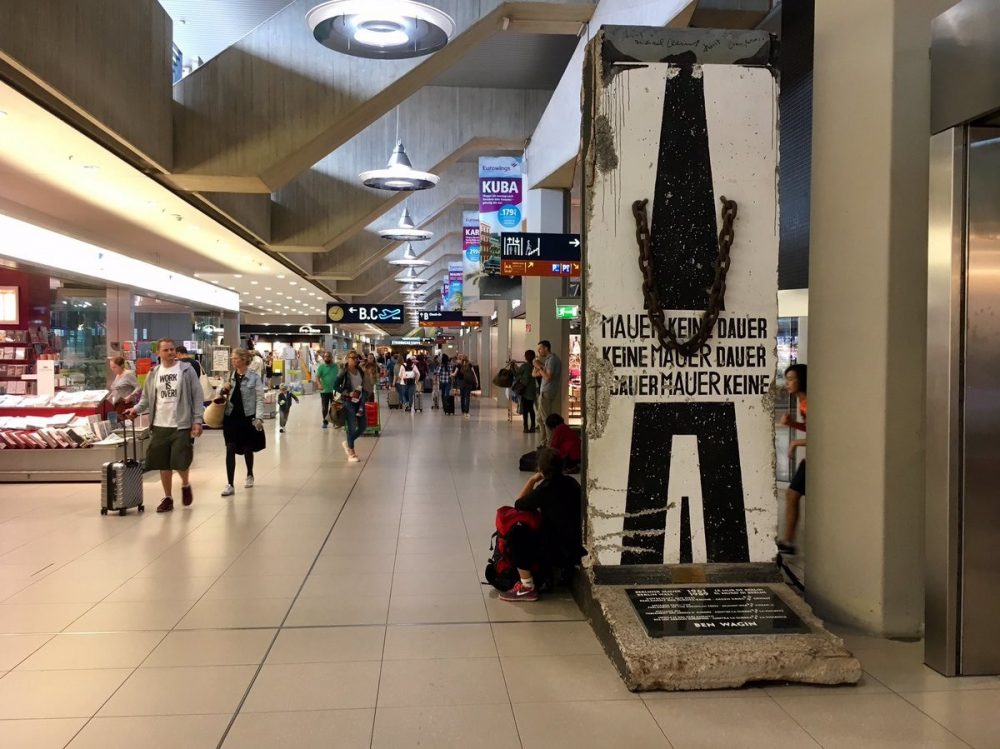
716,295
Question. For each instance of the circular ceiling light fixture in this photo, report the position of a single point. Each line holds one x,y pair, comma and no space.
399,174
409,258
405,231
383,30
410,277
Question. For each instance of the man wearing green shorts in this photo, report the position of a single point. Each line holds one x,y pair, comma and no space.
172,394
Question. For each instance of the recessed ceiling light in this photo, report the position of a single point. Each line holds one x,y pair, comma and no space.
293,283
280,275
231,288
236,275
267,288
392,30
254,283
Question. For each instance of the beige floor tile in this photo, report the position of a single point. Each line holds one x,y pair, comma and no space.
425,609
454,681
214,647
240,612
347,585
168,567
457,543
419,642
563,678
257,565
57,694
546,638
869,720
433,563
153,732
15,648
360,545
26,618
348,564
65,589
233,587
555,608
121,616
331,611
466,582
570,725
53,733
316,729
314,686
328,644
900,667
973,716
751,722
445,727
161,589
867,685
202,690
89,651
705,694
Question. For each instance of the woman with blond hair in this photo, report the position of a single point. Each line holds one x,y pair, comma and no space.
242,427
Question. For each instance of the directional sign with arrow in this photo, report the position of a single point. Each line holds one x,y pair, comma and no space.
534,254
382,314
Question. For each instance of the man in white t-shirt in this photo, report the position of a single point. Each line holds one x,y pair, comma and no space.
172,393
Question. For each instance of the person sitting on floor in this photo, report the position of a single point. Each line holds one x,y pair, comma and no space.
557,547
565,441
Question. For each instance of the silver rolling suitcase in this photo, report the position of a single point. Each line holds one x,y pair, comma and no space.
121,480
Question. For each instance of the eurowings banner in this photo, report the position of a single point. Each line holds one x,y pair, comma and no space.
471,269
501,209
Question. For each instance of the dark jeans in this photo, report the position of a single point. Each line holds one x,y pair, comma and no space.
445,389
325,400
409,389
526,547
466,399
356,423
528,410
283,416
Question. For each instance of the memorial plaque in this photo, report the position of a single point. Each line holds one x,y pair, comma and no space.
725,610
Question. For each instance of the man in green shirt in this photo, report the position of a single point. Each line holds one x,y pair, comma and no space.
326,373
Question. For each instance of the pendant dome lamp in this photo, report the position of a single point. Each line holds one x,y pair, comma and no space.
409,258
411,277
399,174
380,29
405,231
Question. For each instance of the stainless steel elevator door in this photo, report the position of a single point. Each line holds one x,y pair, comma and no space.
980,609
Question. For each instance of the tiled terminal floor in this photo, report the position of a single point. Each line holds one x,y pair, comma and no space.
338,605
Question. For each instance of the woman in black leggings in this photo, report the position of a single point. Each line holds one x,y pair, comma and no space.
529,395
242,427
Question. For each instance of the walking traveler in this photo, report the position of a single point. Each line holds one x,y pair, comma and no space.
526,390
184,356
556,548
285,398
173,396
795,384
370,377
350,386
465,378
548,366
326,373
444,383
242,426
409,376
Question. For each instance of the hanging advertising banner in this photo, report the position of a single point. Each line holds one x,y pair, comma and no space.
471,269
500,210
453,299
680,441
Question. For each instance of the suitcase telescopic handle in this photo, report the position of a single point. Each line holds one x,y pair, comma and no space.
135,440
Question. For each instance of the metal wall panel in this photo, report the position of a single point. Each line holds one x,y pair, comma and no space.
945,331
980,605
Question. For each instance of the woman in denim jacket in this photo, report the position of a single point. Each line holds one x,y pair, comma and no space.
241,426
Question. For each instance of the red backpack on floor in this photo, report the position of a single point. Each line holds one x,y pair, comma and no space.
500,570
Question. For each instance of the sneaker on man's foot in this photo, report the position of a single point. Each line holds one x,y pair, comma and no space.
249,482
519,593
786,548
187,496
353,458
228,491
325,423
167,505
